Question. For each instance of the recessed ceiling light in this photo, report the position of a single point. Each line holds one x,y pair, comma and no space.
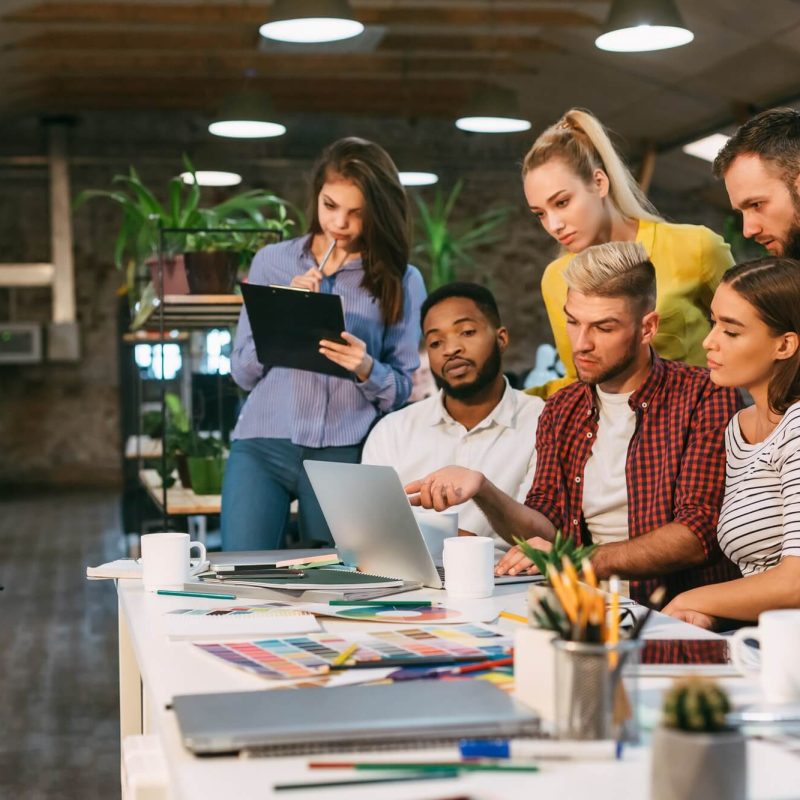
311,21
706,148
207,177
418,178
635,26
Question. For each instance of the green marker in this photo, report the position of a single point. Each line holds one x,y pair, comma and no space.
208,595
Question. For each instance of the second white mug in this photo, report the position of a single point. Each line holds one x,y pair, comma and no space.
469,566
778,635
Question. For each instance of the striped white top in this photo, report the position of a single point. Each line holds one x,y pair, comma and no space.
760,518
312,409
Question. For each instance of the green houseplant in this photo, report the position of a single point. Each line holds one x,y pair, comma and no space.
443,245
696,755
144,217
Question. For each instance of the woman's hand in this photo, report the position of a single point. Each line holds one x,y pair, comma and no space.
309,280
678,609
514,563
352,356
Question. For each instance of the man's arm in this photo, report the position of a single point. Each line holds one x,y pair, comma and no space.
668,549
691,539
454,485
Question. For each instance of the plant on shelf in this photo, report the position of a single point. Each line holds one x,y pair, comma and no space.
696,754
444,246
199,459
144,217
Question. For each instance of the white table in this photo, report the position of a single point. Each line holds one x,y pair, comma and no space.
154,669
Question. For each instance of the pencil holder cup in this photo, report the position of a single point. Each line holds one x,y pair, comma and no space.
596,690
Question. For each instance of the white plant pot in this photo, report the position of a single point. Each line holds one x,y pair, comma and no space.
698,766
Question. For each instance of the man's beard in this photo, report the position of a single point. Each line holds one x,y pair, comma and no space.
615,370
485,378
791,243
791,246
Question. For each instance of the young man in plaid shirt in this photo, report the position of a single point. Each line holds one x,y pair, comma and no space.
630,457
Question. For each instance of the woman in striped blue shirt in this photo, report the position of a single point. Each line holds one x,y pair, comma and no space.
755,343
360,208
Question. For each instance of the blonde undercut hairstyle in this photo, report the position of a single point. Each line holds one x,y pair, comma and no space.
583,144
615,269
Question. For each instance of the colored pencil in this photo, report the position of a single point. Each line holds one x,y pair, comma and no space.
209,595
344,656
486,765
418,661
442,774
383,603
499,662
514,617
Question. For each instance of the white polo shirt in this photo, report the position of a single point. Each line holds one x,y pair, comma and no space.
423,437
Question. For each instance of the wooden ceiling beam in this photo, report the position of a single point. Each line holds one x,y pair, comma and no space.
427,15
123,39
374,66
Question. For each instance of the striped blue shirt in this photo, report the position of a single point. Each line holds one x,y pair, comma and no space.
315,410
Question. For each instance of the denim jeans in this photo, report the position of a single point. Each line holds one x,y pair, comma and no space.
262,478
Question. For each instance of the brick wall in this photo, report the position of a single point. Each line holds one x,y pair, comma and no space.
59,423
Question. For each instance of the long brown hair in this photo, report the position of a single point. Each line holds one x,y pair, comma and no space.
582,143
385,234
772,286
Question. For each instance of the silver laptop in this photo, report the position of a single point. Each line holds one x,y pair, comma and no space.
373,525
350,717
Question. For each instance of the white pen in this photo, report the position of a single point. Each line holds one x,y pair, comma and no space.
327,255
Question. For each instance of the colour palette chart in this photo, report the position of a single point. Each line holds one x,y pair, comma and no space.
299,657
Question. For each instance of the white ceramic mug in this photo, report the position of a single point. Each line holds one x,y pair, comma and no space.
469,566
436,526
778,635
165,560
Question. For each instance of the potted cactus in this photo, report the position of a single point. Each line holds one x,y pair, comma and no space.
696,755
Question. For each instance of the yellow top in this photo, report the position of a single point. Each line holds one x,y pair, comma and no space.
689,262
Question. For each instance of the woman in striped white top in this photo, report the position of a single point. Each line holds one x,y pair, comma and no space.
358,248
755,344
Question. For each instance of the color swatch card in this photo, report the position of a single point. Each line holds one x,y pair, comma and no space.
402,614
267,619
300,657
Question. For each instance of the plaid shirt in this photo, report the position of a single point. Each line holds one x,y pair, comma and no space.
675,470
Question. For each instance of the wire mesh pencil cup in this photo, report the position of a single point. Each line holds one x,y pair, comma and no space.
592,699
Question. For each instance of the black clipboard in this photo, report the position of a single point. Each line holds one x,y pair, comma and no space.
288,324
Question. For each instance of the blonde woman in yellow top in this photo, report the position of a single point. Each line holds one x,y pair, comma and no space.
583,194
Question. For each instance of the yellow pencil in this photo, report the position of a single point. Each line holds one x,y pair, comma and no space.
343,657
566,599
613,629
589,573
513,617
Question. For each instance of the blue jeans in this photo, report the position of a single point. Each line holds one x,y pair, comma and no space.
262,478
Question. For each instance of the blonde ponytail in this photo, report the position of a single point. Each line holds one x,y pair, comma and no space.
581,141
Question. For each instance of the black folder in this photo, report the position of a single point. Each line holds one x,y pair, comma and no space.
288,324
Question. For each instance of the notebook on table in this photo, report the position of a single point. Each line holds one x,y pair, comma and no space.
309,720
